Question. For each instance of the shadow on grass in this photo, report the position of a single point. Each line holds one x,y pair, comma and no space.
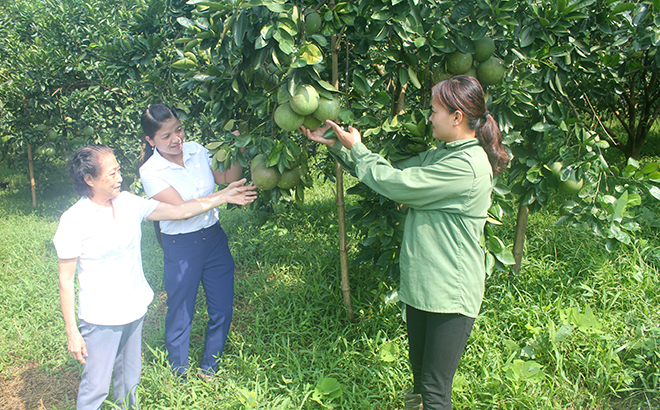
32,387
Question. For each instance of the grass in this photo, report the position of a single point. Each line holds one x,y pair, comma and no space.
578,328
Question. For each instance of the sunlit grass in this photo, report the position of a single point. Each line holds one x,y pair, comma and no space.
291,330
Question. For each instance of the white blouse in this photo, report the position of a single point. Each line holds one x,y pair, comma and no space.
195,180
113,289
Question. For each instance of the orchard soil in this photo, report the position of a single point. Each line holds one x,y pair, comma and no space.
31,387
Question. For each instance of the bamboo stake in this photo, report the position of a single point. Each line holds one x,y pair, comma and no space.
519,239
31,168
339,197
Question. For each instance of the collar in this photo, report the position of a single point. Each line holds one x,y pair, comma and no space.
459,144
92,206
159,162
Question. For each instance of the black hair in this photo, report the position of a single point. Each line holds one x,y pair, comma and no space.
464,93
152,119
86,161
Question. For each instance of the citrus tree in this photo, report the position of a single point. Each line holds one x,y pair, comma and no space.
249,59
54,96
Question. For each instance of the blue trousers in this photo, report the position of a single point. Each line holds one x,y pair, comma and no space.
190,258
114,354
436,342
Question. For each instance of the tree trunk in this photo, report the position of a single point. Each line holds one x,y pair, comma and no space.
339,198
31,168
519,239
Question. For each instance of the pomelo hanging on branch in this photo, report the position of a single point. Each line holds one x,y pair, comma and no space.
289,178
311,122
327,109
305,100
312,23
491,71
263,176
485,47
287,119
458,63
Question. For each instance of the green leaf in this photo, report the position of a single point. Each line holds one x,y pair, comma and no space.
420,42
239,29
506,257
634,200
403,76
328,385
185,22
413,78
654,191
311,53
495,244
522,370
184,64
649,168
388,352
461,10
327,86
620,207
285,41
527,37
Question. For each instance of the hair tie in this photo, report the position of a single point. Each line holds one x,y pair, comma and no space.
485,114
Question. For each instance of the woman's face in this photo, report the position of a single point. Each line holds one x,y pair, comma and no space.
169,138
108,183
442,121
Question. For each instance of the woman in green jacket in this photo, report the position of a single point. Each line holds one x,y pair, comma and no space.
447,190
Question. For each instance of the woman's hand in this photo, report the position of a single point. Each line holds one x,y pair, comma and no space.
77,346
239,194
347,138
317,135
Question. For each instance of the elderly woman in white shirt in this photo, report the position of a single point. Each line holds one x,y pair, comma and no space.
100,235
195,250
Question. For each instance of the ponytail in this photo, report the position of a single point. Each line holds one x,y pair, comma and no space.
490,138
147,152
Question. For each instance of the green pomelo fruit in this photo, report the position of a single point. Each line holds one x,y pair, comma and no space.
287,119
88,130
555,168
305,100
263,177
40,150
327,109
458,63
491,71
49,151
52,134
289,178
439,75
312,23
472,71
571,186
311,122
485,47
41,127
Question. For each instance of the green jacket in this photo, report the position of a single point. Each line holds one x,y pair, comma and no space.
447,191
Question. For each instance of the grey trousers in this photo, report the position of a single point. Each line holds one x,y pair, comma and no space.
114,355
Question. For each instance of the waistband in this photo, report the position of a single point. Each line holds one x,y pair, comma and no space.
215,228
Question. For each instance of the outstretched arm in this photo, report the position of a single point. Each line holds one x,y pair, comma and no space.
235,193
